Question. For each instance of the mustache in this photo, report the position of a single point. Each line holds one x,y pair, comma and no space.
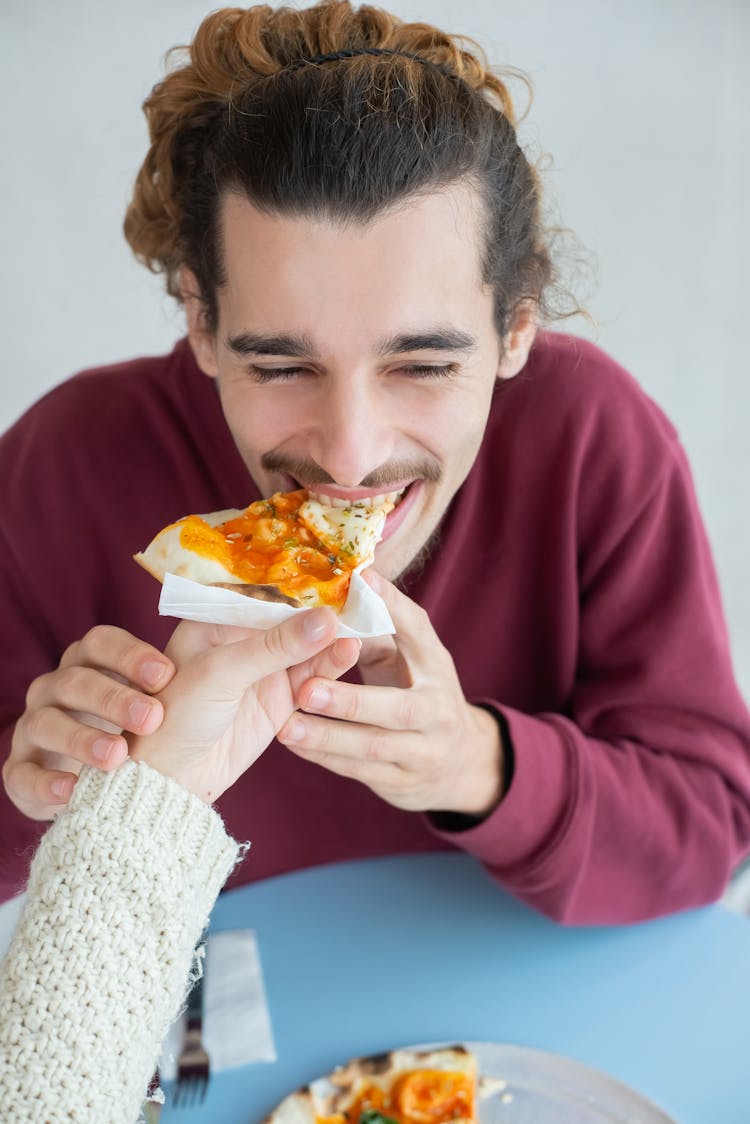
393,472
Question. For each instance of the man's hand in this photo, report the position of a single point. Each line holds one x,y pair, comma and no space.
233,690
75,715
408,733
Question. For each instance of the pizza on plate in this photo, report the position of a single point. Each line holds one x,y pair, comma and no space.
288,548
410,1086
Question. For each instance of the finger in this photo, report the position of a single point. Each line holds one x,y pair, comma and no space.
332,662
310,733
392,708
38,792
191,638
94,692
121,653
56,731
416,639
292,642
380,776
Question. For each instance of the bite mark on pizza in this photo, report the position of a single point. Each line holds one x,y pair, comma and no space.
287,548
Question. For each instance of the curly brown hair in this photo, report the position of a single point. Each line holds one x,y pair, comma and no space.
243,109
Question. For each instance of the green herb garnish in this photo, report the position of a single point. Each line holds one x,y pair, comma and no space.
372,1116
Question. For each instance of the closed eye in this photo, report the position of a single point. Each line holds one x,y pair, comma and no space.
428,370
277,374
412,370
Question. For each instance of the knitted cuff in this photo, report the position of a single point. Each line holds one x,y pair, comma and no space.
152,806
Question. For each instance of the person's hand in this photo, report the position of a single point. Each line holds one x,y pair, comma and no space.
408,733
233,690
75,714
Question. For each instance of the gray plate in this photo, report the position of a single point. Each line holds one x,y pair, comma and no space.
551,1089
544,1088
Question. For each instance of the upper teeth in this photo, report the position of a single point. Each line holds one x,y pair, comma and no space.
367,501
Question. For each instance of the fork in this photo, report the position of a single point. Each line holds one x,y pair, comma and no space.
193,1064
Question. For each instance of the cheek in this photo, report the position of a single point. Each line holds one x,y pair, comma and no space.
257,423
454,432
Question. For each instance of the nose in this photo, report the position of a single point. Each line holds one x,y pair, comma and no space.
352,432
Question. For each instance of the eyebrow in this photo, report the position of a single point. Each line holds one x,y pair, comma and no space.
439,339
247,343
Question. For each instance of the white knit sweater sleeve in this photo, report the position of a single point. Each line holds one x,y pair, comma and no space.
119,891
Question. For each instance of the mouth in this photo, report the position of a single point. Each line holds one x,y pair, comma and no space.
401,500
358,497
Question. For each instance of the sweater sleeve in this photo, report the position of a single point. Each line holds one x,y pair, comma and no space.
119,892
632,800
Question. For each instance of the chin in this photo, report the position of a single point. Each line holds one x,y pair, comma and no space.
399,561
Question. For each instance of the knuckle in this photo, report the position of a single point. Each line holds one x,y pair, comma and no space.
89,644
129,654
70,680
409,710
70,655
36,690
349,705
100,635
274,642
113,701
374,748
30,727
422,621
79,741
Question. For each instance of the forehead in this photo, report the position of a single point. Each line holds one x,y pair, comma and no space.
420,260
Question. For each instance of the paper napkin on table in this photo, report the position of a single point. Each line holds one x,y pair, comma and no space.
236,1021
10,912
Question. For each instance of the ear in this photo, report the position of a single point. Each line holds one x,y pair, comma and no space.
517,342
202,337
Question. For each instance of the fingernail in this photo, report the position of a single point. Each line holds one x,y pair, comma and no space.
316,624
152,672
139,712
102,748
319,697
294,731
59,788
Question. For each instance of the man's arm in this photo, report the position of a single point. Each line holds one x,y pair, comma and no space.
632,803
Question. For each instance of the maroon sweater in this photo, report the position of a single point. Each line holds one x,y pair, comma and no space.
573,586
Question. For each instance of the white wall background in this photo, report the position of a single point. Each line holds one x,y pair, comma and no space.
643,106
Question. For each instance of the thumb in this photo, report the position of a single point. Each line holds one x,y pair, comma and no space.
242,662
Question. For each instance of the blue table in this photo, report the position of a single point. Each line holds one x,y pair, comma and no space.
360,957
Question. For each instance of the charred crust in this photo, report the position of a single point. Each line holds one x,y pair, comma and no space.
260,593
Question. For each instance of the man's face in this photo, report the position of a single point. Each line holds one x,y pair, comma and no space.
358,360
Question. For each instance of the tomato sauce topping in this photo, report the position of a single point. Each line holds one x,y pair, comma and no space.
268,545
422,1096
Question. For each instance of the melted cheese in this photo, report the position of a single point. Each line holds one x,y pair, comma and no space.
352,532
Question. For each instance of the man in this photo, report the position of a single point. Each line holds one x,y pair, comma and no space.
340,202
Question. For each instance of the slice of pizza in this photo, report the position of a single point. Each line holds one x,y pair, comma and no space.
401,1087
287,548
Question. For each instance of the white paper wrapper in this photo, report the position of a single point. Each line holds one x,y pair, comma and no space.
364,613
